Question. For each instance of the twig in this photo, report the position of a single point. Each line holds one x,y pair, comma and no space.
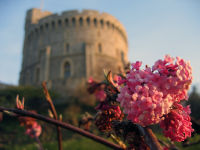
171,145
63,125
39,143
53,110
150,138
190,144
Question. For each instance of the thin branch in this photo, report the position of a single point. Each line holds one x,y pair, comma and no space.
171,145
53,110
63,125
150,138
190,144
48,98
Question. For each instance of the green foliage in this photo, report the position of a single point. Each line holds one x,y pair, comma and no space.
34,97
75,143
12,133
179,144
194,102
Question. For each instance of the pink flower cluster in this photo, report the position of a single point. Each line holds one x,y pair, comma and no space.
34,130
97,89
147,95
100,95
177,125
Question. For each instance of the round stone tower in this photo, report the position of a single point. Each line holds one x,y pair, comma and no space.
65,49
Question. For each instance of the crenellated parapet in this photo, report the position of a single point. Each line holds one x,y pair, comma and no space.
74,19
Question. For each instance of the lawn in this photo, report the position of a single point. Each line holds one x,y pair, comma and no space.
78,143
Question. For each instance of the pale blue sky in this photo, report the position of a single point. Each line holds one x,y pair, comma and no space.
154,27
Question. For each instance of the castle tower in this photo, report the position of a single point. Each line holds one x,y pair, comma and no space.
69,48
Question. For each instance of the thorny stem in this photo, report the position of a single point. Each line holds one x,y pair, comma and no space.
63,125
53,110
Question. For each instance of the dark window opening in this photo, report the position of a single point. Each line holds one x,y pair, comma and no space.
53,24
95,22
41,28
73,21
108,24
59,22
81,21
102,23
67,72
46,25
36,30
66,22
88,21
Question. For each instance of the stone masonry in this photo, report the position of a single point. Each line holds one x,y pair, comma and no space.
66,49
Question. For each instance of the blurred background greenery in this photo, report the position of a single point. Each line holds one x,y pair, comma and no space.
12,135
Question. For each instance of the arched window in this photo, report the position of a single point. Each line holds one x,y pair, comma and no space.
66,22
88,21
53,24
73,21
100,48
102,23
95,22
36,30
108,24
81,21
46,25
59,22
67,70
41,28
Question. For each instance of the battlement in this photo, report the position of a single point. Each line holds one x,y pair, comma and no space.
86,18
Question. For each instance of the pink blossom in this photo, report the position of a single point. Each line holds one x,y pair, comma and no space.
174,78
34,130
100,95
149,94
137,65
90,80
116,78
177,125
